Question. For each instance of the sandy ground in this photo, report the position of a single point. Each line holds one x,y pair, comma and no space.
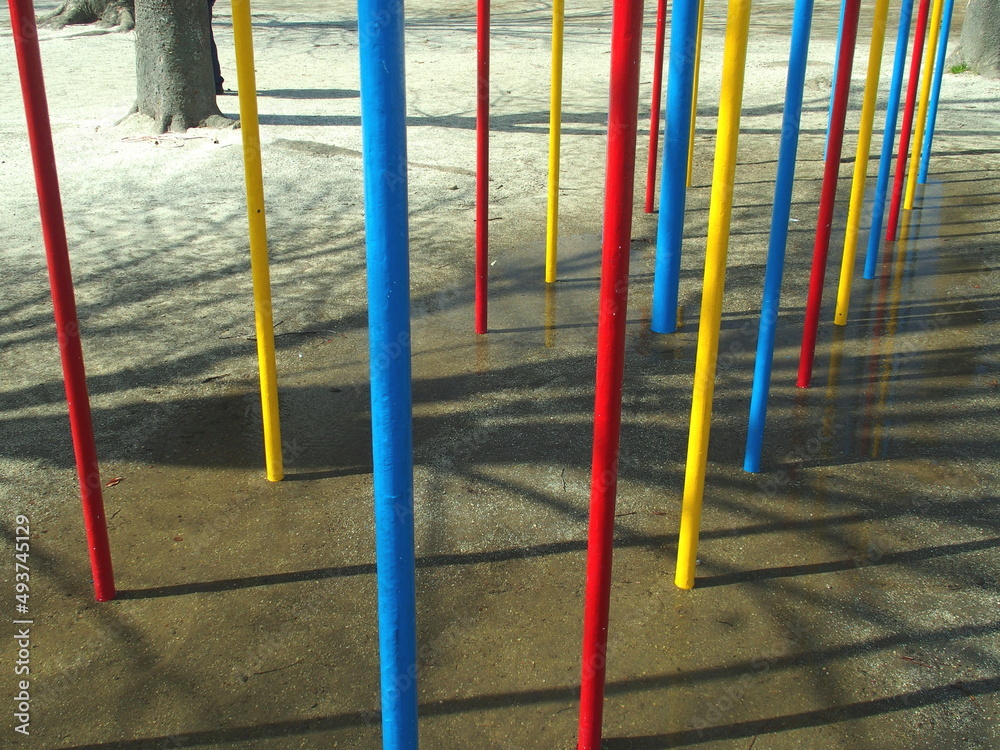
847,596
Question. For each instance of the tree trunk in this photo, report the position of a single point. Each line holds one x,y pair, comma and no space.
114,15
979,45
176,86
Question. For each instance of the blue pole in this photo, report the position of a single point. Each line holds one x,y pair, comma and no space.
383,134
888,138
942,51
673,178
833,82
801,24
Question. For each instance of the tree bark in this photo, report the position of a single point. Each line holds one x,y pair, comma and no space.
979,45
176,86
114,15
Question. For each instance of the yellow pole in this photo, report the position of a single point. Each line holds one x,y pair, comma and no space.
720,214
861,161
925,94
555,126
247,86
694,89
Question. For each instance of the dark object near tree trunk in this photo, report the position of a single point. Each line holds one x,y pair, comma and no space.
114,15
176,86
979,45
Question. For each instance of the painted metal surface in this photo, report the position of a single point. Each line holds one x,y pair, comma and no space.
36,109
626,33
939,66
828,193
865,126
896,203
719,219
670,222
383,136
694,89
655,104
933,33
778,238
482,164
888,138
263,315
555,133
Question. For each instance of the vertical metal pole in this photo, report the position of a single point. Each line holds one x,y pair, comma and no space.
555,132
626,33
654,107
836,67
925,93
36,110
904,132
482,162
249,127
828,193
670,222
694,89
888,137
942,52
861,161
719,218
794,88
383,118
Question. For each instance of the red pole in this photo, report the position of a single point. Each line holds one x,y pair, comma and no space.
29,62
904,135
626,34
482,159
654,107
828,194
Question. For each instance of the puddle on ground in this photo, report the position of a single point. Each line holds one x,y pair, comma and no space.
866,546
